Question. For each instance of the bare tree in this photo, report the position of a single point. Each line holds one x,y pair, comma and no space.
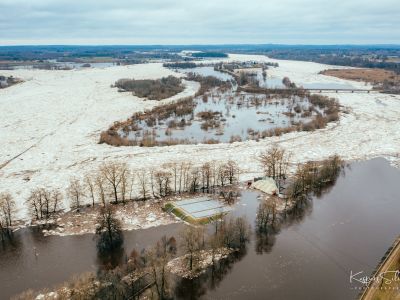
35,202
47,202
206,172
222,174
231,169
192,242
124,184
75,192
235,232
89,186
7,209
131,183
162,179
242,229
194,179
174,173
158,258
214,243
57,197
181,168
186,176
143,183
109,230
275,163
100,187
114,173
263,216
152,171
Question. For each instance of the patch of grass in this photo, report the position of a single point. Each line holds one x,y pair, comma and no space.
387,81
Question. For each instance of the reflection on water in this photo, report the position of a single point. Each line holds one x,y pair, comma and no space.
275,82
348,227
210,280
35,261
308,254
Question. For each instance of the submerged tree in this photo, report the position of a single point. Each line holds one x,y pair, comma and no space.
234,233
108,231
157,259
192,241
312,177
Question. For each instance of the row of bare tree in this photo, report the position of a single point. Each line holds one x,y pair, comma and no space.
115,182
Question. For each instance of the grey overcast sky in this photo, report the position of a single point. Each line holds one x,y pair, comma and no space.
199,22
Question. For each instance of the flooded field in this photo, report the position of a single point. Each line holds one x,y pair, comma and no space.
274,82
264,79
223,117
347,228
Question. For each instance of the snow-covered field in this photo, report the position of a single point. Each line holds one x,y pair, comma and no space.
50,126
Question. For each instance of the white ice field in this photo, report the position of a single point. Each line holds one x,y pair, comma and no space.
50,126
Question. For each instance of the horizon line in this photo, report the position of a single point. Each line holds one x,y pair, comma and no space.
199,44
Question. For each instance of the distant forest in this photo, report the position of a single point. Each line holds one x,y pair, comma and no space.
209,54
369,56
353,57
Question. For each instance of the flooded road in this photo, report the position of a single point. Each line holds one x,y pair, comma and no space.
348,228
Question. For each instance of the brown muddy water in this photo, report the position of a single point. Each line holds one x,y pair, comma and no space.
347,228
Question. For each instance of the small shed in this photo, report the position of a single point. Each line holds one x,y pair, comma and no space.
266,185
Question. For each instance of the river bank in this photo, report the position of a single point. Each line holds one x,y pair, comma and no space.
323,240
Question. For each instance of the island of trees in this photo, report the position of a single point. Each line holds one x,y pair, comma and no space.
151,89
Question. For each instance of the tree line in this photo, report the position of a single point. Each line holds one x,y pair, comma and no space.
114,182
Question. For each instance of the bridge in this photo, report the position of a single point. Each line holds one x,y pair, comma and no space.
340,90
251,89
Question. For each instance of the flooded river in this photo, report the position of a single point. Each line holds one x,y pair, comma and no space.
348,228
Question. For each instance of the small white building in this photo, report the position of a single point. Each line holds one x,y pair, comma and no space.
266,185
